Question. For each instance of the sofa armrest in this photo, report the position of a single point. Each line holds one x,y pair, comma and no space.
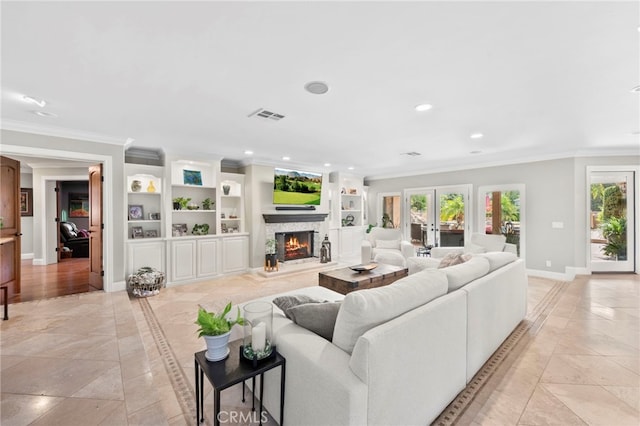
407,249
366,251
510,248
440,252
320,387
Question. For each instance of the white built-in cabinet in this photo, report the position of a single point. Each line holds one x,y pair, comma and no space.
173,240
347,213
145,245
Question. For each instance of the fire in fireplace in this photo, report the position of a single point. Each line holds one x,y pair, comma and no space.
294,245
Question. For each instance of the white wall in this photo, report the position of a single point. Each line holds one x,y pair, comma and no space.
555,191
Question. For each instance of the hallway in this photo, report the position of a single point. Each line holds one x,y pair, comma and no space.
69,276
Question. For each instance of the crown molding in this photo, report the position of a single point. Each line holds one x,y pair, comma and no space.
60,132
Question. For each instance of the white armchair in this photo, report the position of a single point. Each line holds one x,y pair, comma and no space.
387,245
480,243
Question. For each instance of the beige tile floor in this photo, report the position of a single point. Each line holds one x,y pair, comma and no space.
105,359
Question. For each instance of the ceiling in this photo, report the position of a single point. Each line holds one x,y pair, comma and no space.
539,80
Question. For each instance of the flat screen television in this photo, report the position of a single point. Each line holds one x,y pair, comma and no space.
296,187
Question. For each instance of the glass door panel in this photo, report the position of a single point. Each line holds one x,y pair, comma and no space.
502,215
390,217
452,218
611,221
421,223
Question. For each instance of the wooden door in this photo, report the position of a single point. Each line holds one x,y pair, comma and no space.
95,228
10,229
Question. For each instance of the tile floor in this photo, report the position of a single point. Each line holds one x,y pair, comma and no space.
105,359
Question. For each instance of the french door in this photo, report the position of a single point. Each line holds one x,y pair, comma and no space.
611,221
437,216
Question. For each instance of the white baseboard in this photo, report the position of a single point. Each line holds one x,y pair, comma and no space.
39,262
116,286
551,275
26,256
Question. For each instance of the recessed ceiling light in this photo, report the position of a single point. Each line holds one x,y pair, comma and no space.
316,87
327,164
45,114
285,158
423,107
476,136
635,89
40,102
248,152
350,168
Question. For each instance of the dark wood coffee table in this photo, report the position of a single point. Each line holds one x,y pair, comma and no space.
344,280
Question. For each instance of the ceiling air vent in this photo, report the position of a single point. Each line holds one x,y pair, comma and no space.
411,153
266,114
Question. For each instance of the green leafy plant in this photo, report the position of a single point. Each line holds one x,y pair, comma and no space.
614,229
212,324
270,246
182,201
207,203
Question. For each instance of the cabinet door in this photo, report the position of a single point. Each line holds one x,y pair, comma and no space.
235,254
207,258
145,254
183,260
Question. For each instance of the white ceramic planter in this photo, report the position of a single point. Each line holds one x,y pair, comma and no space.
217,347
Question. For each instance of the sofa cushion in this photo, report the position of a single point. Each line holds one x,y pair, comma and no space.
288,301
389,257
317,317
461,274
491,242
452,259
498,259
417,264
388,244
474,248
364,309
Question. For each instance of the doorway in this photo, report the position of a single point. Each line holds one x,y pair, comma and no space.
437,216
611,220
46,270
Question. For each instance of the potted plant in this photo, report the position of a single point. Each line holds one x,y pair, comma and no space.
270,257
207,203
216,328
180,203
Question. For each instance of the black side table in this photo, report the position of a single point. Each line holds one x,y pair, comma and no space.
231,371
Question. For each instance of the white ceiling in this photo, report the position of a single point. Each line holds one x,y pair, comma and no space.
538,79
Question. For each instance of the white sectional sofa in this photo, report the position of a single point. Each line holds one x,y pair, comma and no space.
399,354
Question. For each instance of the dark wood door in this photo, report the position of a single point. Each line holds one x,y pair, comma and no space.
10,229
95,227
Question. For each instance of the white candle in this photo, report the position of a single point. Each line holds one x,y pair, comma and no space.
258,337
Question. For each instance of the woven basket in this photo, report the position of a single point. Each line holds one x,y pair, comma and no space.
146,282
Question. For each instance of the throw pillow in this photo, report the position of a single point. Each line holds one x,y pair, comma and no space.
287,302
464,273
453,259
388,244
319,318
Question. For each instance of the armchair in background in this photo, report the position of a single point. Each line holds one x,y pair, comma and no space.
385,245
75,239
480,243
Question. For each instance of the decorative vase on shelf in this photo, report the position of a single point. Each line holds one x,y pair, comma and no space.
226,189
151,187
136,186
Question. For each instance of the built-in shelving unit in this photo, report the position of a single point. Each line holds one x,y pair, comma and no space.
231,190
347,212
145,218
195,181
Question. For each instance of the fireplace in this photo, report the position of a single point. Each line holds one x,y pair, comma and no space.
295,245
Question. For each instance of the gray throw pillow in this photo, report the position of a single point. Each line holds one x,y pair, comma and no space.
286,302
319,318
